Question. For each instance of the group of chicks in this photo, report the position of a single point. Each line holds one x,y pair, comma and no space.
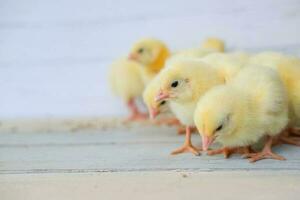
236,99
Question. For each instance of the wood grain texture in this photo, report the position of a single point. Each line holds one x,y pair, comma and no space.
138,149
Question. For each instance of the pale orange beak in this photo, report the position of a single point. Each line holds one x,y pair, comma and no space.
161,96
206,141
133,56
153,113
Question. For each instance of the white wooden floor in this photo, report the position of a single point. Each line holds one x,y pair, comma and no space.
152,185
138,148
133,161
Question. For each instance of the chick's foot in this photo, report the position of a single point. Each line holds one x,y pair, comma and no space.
266,153
290,140
286,137
137,117
229,151
168,121
187,147
295,131
135,113
181,130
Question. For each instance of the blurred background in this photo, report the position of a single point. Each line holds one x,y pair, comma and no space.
54,54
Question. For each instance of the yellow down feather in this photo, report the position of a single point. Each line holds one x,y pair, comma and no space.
125,79
239,113
194,79
288,68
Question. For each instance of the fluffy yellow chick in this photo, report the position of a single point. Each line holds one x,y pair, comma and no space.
253,105
128,77
152,53
227,64
209,46
157,107
154,107
126,82
152,88
288,68
214,44
192,53
182,82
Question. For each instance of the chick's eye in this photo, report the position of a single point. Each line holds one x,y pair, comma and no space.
219,128
174,84
141,50
162,103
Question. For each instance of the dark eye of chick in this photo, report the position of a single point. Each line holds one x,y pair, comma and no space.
162,103
219,128
141,50
174,84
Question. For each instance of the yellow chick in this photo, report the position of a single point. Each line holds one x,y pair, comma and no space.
128,77
288,68
126,82
214,44
157,107
209,46
253,105
152,88
152,53
227,64
192,53
182,82
154,107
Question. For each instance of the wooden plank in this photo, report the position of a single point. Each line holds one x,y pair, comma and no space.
152,185
138,149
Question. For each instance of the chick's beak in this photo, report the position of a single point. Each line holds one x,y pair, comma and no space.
207,141
153,113
133,56
161,96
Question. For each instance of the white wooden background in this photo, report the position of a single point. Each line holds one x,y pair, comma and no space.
54,54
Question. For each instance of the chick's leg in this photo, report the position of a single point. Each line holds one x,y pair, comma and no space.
295,131
172,122
286,138
187,146
229,151
168,121
181,130
290,140
266,153
135,113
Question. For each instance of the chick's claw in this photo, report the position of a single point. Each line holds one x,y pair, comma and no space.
187,148
226,151
266,153
172,122
290,140
138,116
287,137
253,157
294,131
168,122
181,130
229,151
